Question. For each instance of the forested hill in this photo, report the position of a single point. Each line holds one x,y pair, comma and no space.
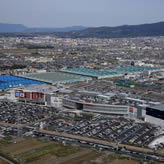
154,29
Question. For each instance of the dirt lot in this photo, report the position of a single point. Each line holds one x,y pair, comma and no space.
160,151
3,162
23,146
83,158
123,162
117,159
94,157
38,151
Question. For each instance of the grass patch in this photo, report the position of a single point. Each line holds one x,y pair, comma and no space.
5,141
24,146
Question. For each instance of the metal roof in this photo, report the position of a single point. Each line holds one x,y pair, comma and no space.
158,107
56,77
109,72
133,69
7,81
92,72
41,88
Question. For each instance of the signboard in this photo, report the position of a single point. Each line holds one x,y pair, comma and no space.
21,94
89,105
17,94
131,109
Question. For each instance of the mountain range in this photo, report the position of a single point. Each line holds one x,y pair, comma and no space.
154,29
18,28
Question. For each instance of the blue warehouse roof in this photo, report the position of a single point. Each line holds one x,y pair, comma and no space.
7,81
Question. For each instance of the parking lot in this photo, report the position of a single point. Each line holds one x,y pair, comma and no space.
118,130
59,124
19,113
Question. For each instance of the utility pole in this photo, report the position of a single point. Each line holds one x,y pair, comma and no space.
19,131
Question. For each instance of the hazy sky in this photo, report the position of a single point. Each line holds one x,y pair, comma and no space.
60,13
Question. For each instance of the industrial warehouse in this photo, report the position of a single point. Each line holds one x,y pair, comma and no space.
108,73
69,76
8,81
99,74
56,77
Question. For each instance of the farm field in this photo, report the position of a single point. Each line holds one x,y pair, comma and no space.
36,151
